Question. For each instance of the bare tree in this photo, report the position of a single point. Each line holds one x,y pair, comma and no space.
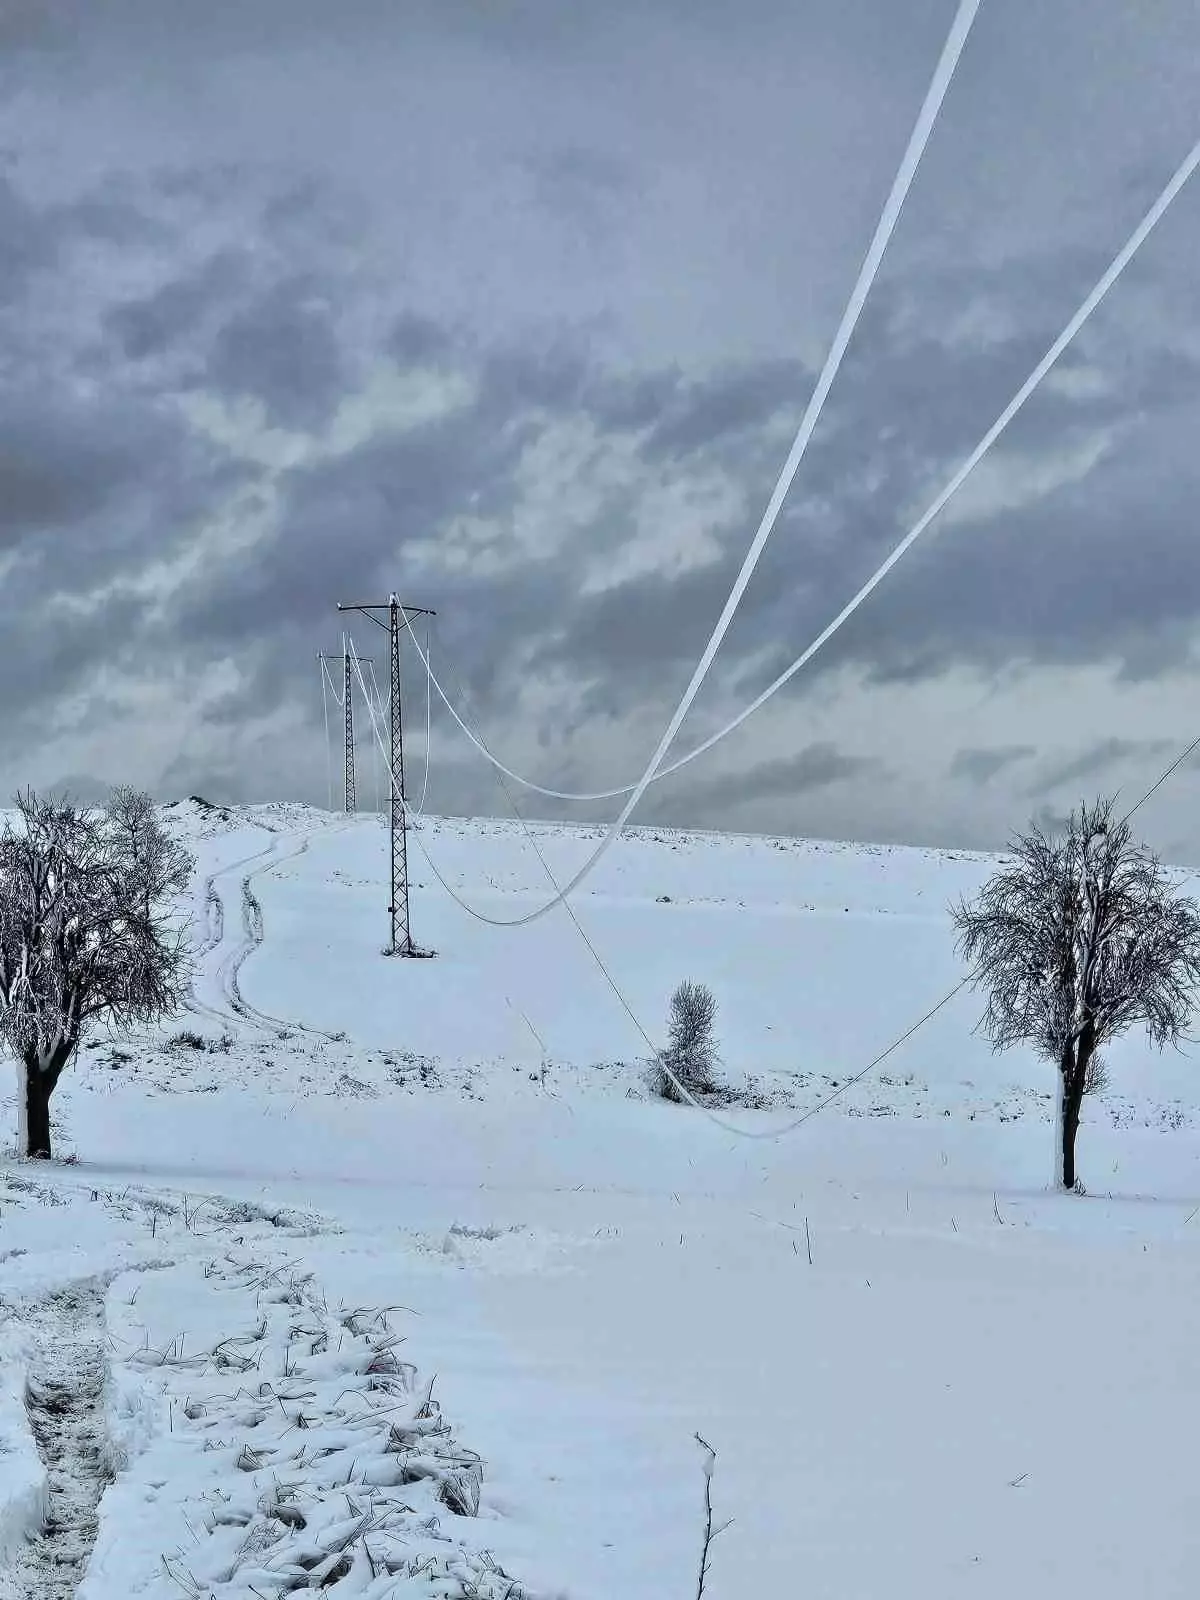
691,1052
86,935
1077,939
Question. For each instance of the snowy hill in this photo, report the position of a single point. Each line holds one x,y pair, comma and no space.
594,1275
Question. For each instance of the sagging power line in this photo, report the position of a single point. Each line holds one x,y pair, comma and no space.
399,615
656,768
1091,302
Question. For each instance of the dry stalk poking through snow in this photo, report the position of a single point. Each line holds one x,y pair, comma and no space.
710,1533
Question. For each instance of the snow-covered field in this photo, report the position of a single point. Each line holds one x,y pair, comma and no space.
360,1177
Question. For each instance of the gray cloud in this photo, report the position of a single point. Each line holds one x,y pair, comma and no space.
1051,820
1101,758
154,323
566,352
982,765
284,351
817,766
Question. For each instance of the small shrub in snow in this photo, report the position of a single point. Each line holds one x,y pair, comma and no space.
186,1039
691,1055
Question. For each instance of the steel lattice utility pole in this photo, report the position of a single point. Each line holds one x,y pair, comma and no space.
401,931
348,709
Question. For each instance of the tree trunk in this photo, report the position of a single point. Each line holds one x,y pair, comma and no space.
1066,1072
40,1084
1072,1106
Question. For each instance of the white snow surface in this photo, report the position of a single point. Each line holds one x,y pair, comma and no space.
23,1489
976,1386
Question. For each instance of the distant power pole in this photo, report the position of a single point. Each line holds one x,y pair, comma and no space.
348,708
348,696
401,932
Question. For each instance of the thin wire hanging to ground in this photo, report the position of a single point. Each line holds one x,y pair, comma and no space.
655,1052
428,717
328,746
721,1122
1089,305
339,700
918,140
379,766
1120,262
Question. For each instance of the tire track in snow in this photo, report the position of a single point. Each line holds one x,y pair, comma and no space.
254,936
64,1399
214,938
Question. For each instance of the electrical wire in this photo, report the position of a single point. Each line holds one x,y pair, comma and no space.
339,700
602,967
918,140
1088,306
719,1121
656,1054
1120,262
428,718
374,746
655,1051
1170,772
328,743
686,1093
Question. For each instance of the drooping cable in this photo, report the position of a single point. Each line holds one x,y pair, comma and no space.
723,1123
602,967
420,808
1089,305
339,698
328,745
918,140
378,757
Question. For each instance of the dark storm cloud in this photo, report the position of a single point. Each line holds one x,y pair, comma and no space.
81,789
417,341
816,766
883,447
158,322
1051,820
284,351
97,477
59,465
596,190
27,243
1088,570
90,485
1100,760
982,765
722,409
342,531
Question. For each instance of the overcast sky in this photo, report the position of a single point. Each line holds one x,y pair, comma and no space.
513,307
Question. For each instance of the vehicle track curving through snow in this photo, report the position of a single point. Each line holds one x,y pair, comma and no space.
206,990
220,962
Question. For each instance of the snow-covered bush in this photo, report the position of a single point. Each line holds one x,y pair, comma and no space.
691,1057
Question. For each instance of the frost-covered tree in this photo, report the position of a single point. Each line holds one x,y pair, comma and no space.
691,1052
1078,938
87,935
